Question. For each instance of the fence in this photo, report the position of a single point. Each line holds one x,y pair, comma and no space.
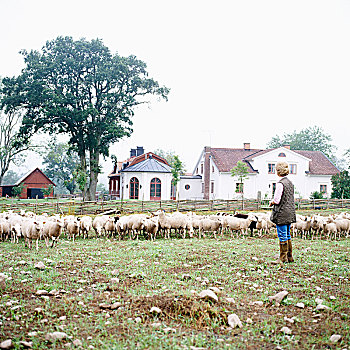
78,207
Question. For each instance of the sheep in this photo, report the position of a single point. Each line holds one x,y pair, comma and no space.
31,229
99,223
52,229
85,226
73,228
303,226
317,223
209,224
177,221
5,229
330,228
151,227
134,224
110,225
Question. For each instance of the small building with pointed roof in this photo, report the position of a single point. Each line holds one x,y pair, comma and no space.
145,176
33,184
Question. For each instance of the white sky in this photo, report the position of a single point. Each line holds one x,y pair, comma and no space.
239,71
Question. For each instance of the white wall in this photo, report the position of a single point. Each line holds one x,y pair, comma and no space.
145,181
195,190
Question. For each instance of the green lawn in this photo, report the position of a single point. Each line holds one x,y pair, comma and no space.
169,274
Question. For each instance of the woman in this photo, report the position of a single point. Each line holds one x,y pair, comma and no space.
283,212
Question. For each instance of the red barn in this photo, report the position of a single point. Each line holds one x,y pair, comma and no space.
33,183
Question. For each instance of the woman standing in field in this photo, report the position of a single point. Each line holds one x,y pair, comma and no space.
283,212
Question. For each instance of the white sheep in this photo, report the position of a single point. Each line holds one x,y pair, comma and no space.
31,230
85,226
52,229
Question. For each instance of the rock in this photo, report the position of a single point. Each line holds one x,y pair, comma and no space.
156,325
258,302
230,300
56,336
26,344
322,307
63,318
114,280
155,310
104,306
32,334
290,320
77,342
319,289
38,310
234,321
2,283
208,294
279,297
115,306
138,319
249,320
186,277
286,330
332,297
300,305
40,265
6,344
335,338
215,290
42,292
318,301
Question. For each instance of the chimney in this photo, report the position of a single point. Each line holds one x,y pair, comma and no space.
286,146
132,152
206,175
246,146
139,151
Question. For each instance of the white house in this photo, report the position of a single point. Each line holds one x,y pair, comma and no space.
211,179
144,176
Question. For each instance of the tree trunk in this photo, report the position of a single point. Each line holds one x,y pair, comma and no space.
94,171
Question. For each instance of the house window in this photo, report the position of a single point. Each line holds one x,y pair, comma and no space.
156,189
292,168
212,187
323,188
271,168
212,169
202,168
239,187
187,187
134,188
282,154
273,188
202,187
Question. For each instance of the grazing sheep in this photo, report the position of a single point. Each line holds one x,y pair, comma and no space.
73,228
151,227
31,230
53,230
85,226
209,225
99,223
110,226
176,221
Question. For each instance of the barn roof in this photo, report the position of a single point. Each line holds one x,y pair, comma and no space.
24,177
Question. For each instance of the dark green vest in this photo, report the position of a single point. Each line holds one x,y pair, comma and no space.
284,212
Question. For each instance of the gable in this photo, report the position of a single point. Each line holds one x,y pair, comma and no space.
35,177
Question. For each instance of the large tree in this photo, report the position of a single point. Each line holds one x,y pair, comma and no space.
61,164
12,143
79,88
309,139
341,185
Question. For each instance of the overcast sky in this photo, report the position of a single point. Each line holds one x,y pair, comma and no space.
239,71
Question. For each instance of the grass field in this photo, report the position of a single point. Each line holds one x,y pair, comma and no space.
169,274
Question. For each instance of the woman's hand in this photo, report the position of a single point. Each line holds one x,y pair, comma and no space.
271,203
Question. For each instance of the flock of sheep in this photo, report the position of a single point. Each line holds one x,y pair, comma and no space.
33,227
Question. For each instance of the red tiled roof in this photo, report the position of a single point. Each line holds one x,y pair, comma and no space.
227,158
320,164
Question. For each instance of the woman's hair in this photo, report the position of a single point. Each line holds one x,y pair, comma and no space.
282,168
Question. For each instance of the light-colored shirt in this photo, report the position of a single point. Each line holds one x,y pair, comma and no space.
278,193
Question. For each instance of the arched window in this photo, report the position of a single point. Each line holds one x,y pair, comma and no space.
156,189
282,154
134,188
